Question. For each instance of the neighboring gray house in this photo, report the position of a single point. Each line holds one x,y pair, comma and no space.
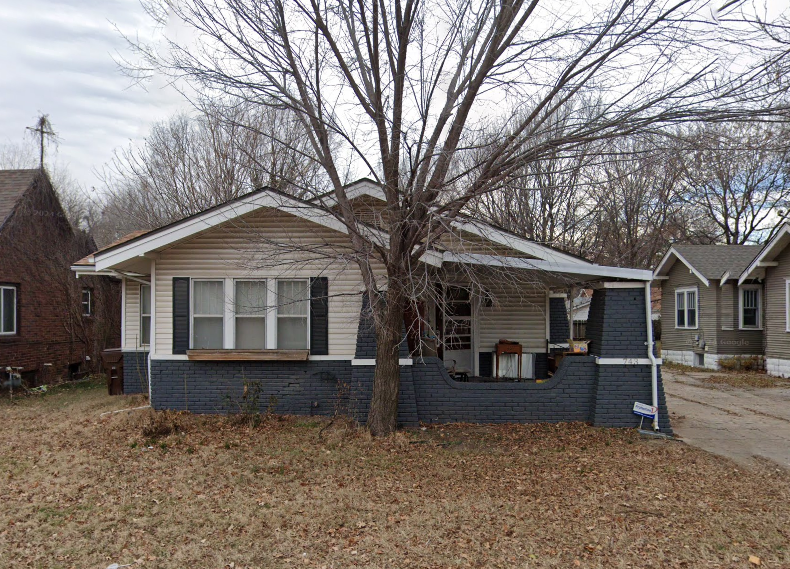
707,311
222,297
771,266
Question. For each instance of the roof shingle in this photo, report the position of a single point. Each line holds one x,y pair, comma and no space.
13,185
712,261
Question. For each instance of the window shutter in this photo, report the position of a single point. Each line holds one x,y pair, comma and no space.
180,315
319,316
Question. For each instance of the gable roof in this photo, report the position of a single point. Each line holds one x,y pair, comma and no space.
767,254
546,258
13,185
708,261
88,260
214,216
486,230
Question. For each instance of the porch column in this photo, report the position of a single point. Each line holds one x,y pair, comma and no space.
617,330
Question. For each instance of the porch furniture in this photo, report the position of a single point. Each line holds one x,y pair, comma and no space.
507,347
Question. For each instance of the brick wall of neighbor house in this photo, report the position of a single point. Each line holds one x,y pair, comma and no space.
581,390
135,372
777,338
37,248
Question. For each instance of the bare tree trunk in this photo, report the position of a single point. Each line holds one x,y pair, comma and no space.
383,416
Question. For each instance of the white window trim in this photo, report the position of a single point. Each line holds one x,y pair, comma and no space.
686,290
16,310
192,310
277,312
90,301
741,289
142,315
266,315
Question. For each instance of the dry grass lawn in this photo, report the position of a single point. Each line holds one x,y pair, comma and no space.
83,491
730,378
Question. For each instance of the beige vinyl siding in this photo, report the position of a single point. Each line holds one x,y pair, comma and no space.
265,245
777,339
517,314
132,324
736,341
680,338
728,306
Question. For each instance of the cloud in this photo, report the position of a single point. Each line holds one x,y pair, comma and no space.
60,58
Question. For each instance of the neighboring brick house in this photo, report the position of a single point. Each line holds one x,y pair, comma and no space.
50,324
261,289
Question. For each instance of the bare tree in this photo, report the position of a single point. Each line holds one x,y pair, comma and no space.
549,200
192,162
401,91
737,175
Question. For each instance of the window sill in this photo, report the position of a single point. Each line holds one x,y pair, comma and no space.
249,355
751,329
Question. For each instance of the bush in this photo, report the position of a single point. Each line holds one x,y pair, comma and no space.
741,363
158,424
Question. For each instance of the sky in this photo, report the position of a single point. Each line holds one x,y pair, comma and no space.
59,58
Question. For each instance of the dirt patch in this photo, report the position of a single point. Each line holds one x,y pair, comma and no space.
83,491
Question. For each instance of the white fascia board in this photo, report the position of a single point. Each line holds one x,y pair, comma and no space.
353,191
680,258
659,270
724,278
758,262
193,226
549,267
482,229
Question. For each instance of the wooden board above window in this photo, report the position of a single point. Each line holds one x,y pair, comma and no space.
249,355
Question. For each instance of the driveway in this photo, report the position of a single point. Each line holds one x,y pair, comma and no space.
739,423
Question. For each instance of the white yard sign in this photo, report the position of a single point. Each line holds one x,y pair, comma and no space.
645,410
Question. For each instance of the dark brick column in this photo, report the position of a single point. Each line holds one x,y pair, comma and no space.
617,328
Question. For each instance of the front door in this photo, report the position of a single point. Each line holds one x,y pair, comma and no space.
457,332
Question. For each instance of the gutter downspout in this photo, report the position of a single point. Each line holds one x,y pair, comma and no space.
653,361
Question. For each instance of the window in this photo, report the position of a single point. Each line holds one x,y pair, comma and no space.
750,306
293,304
208,306
250,313
145,315
686,308
7,310
87,305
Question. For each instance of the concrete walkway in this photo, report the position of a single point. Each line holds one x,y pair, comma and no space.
739,423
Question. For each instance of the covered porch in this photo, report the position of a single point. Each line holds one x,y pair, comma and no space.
494,319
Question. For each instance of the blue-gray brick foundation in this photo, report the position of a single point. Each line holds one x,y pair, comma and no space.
135,372
581,390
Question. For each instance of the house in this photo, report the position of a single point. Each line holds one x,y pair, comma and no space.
771,268
261,289
707,314
50,324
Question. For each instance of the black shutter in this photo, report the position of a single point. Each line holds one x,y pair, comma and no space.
180,315
319,316
485,363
